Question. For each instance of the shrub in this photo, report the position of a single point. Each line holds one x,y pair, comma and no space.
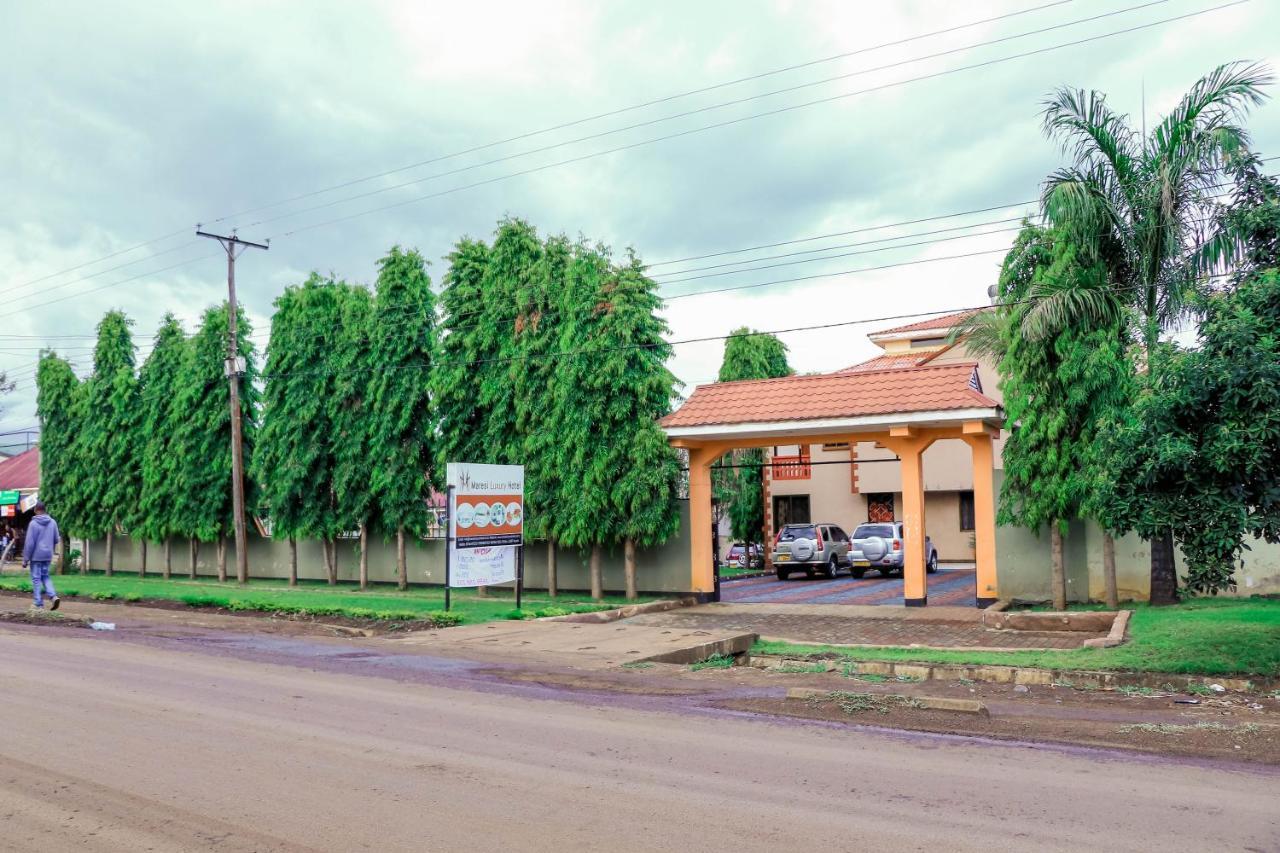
132,597
103,596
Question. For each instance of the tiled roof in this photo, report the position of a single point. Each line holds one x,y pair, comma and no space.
838,395
946,321
21,471
887,362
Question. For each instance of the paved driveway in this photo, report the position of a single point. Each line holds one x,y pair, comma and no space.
956,586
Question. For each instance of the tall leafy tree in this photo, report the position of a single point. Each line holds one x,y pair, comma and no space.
462,346
747,355
293,460
203,439
57,393
1144,208
619,475
162,416
113,482
349,361
403,347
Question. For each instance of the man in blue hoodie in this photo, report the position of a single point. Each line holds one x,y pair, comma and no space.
42,539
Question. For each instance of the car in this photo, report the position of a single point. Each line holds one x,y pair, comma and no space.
811,548
882,545
738,555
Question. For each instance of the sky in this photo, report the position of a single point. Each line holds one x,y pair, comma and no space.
339,129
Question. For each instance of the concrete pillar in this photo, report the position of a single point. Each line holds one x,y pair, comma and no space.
984,516
702,577
915,589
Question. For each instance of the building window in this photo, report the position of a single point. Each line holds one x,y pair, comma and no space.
880,507
836,445
966,510
790,509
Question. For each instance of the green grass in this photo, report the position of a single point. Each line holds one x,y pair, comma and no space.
716,661
1206,636
316,598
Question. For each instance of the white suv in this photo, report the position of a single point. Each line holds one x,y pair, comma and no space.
810,548
882,545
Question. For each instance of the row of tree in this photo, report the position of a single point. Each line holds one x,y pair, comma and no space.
547,353
1111,421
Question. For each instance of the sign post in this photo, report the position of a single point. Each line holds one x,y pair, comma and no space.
484,545
448,542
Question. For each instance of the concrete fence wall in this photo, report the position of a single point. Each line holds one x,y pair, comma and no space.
659,570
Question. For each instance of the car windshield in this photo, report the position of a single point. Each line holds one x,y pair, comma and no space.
799,532
867,531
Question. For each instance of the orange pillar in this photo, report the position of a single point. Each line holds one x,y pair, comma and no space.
702,571
984,516
915,591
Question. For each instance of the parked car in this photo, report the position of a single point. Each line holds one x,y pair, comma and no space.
810,548
738,555
882,545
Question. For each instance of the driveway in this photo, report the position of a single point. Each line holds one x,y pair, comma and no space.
953,586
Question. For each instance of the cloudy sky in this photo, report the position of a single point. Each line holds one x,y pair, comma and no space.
339,129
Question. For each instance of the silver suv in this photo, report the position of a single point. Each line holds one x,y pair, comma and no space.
810,548
883,546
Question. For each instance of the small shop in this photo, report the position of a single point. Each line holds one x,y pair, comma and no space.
19,492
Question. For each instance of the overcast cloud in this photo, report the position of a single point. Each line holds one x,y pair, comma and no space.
128,121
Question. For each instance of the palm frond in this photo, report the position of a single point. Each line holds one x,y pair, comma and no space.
1222,96
1092,133
983,333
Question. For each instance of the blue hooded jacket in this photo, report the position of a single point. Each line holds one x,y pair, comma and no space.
42,538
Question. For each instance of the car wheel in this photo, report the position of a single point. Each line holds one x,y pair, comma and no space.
885,571
833,567
858,572
932,565
783,574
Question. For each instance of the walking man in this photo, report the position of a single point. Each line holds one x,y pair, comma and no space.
37,553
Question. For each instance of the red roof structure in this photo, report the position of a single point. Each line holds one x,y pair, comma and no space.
21,472
945,321
887,362
946,387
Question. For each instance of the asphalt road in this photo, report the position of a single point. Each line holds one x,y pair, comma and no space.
112,745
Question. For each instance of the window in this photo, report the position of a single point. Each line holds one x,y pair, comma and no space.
836,445
966,510
880,507
790,509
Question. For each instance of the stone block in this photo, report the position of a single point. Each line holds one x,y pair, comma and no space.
1033,676
944,703
912,671
993,674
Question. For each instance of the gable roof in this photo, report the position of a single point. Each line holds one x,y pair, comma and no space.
21,472
940,323
887,362
911,390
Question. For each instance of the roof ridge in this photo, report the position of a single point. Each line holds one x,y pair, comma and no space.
951,365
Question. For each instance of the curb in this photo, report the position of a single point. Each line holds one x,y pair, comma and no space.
739,644
1116,636
624,612
928,703
1072,678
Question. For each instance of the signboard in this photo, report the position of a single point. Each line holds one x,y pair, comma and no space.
486,523
10,496
29,502
8,510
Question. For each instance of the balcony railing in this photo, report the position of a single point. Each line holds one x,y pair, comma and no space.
791,468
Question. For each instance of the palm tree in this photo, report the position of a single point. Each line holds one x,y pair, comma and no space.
1143,205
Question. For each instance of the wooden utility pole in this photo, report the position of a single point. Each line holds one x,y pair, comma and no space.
234,246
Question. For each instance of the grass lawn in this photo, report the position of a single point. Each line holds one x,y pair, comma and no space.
1210,636
316,598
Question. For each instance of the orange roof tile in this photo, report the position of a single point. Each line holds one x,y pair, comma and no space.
838,395
886,362
945,321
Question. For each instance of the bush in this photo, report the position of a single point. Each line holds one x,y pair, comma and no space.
200,601
103,596
552,610
132,597
442,619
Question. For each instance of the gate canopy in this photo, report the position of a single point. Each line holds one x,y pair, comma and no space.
904,409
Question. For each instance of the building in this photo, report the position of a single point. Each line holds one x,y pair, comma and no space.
849,484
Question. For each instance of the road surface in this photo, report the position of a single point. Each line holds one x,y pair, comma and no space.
114,745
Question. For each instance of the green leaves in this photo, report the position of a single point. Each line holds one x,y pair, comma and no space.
112,461
162,416
62,474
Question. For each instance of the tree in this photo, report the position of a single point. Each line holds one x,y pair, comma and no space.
203,438
352,423
747,355
113,481
461,346
162,417
293,460
57,393
1144,208
618,474
403,348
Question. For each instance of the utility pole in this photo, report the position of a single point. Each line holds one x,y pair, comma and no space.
234,247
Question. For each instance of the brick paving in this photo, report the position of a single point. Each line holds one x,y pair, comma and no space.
946,587
808,624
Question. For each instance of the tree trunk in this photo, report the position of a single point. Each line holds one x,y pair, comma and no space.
402,565
222,558
1164,575
168,557
629,568
364,556
64,549
597,572
552,580
84,558
1109,570
293,561
142,568
111,552
195,556
1059,577
331,559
